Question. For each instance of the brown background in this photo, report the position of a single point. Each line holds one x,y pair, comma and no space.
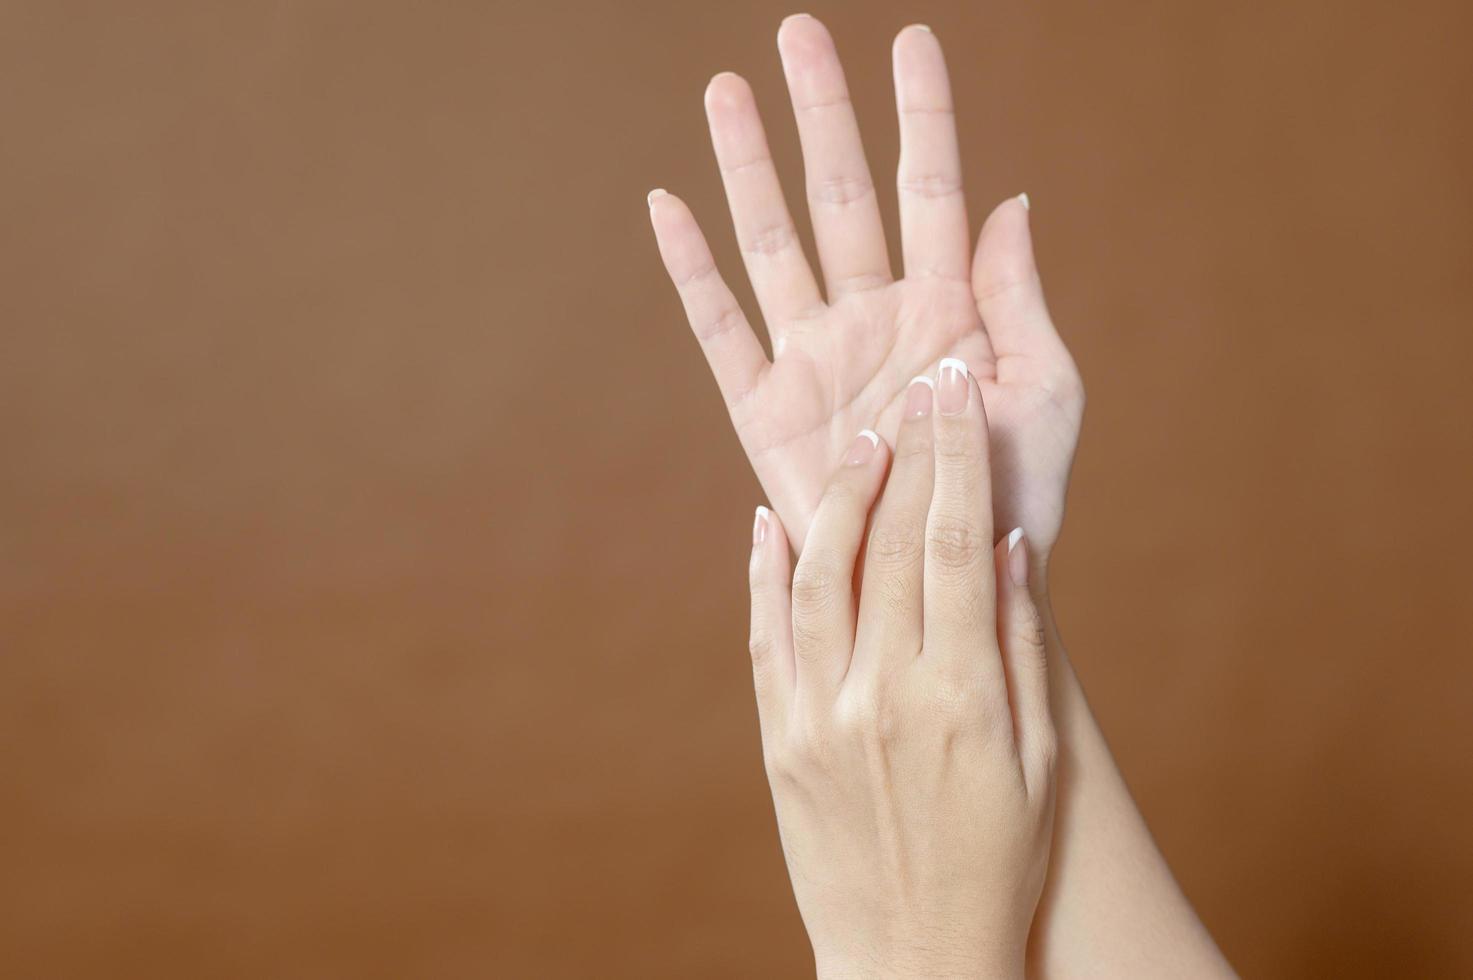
372,540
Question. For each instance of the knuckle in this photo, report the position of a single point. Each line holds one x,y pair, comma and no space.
913,449
762,645
817,583
802,749
841,190
782,763
897,544
959,703
931,185
956,543
720,324
771,240
1028,632
869,714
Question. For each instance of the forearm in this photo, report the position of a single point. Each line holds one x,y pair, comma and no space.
939,958
1111,907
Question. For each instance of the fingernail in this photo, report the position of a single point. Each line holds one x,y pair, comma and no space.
759,525
657,192
1023,198
918,398
952,386
924,27
864,447
1017,558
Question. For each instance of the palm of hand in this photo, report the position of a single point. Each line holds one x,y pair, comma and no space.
848,368
842,365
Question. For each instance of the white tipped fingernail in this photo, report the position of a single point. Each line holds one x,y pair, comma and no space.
1018,559
953,389
759,525
1023,199
924,27
863,449
657,192
918,402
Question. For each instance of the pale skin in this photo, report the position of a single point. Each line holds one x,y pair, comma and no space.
906,730
842,358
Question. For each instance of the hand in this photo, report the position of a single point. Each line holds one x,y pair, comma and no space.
908,741
842,364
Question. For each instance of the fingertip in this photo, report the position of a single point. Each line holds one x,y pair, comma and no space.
679,237
797,27
953,386
959,406
761,525
800,34
918,396
869,460
769,546
1006,283
658,201
866,447
913,34
1005,243
663,205
1017,558
726,90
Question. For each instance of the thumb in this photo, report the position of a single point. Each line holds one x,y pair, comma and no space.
1007,289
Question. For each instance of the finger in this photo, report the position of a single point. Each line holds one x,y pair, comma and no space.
933,215
731,348
890,607
959,587
1020,636
841,195
770,246
823,581
771,638
1008,291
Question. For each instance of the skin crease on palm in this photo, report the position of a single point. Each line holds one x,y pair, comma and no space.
841,362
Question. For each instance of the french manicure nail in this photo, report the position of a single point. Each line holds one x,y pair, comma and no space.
1017,558
759,525
1023,199
864,447
953,386
924,27
918,397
